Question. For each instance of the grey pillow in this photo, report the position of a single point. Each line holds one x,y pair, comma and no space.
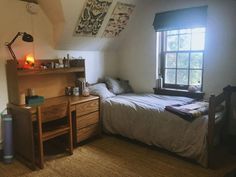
126,86
101,90
118,86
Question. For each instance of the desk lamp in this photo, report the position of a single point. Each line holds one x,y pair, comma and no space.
25,37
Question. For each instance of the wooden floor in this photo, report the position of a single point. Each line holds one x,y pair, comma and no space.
116,157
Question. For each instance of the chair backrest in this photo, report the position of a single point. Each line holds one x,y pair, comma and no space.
55,111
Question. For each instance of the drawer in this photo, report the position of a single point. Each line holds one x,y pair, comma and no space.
87,132
87,107
86,120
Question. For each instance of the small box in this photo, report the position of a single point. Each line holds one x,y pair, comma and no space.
34,100
77,63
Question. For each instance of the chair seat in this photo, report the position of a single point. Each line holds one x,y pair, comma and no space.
54,132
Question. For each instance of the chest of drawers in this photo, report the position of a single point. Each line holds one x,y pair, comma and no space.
86,119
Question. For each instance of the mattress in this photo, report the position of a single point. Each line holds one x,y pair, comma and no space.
143,117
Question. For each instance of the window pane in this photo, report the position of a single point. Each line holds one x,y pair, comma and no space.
172,32
172,43
184,31
184,42
182,77
196,60
195,77
198,41
170,76
183,60
171,60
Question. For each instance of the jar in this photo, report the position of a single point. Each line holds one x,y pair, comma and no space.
76,91
68,91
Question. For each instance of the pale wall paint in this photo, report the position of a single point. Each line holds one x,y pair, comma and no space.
137,54
17,19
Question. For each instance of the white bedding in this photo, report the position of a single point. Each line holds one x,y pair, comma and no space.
143,117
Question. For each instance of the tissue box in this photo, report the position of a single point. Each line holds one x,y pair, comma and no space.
34,100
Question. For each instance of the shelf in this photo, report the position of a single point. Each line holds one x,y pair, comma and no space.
29,72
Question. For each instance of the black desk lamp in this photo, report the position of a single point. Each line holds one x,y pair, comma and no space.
25,37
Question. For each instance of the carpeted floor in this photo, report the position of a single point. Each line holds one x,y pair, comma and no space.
115,157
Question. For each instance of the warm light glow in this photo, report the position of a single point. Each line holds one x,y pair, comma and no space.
29,61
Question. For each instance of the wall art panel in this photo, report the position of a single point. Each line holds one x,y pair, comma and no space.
119,19
92,17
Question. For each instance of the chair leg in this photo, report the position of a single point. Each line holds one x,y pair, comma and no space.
70,143
41,155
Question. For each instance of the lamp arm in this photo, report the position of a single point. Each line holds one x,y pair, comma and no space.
10,43
11,51
13,40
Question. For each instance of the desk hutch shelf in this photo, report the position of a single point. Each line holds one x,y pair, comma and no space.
49,83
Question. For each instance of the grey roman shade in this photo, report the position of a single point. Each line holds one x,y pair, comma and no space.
182,18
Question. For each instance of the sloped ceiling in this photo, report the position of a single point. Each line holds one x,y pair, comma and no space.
64,15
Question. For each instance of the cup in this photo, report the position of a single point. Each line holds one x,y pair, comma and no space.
31,92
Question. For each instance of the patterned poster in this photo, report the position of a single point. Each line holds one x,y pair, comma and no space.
119,19
92,17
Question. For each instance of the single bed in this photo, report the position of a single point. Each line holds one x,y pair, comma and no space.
143,117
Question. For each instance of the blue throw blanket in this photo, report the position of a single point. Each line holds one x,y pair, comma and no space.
189,111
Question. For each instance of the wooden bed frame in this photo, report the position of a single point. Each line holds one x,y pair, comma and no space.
214,126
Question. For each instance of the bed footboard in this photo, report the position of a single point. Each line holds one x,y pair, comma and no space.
214,102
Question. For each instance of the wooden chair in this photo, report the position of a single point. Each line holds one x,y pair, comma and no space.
49,128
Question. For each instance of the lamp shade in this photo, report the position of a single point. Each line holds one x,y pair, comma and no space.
27,37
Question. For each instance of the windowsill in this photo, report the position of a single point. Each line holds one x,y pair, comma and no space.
178,92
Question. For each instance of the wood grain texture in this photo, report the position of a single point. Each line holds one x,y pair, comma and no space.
46,82
22,135
12,81
86,120
87,107
49,131
50,113
87,132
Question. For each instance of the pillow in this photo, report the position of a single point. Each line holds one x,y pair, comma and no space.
101,90
126,86
118,86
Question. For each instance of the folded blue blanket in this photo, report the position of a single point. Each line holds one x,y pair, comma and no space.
189,111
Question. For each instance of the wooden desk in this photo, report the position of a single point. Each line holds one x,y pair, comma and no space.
85,120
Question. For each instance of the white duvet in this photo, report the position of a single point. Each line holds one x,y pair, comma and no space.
143,117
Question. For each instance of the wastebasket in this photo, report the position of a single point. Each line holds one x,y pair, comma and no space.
7,136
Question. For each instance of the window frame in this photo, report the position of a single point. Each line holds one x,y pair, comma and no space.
162,50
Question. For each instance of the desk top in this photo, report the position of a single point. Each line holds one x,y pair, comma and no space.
53,101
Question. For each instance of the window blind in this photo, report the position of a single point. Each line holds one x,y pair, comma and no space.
182,18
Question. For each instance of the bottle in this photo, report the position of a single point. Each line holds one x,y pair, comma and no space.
85,89
160,82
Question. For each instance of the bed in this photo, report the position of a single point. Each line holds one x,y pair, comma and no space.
143,117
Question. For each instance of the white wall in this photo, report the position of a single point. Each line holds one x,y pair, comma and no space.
138,53
15,18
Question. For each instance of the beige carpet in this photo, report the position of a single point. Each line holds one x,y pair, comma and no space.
114,157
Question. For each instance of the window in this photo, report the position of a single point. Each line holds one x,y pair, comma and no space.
182,44
182,55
